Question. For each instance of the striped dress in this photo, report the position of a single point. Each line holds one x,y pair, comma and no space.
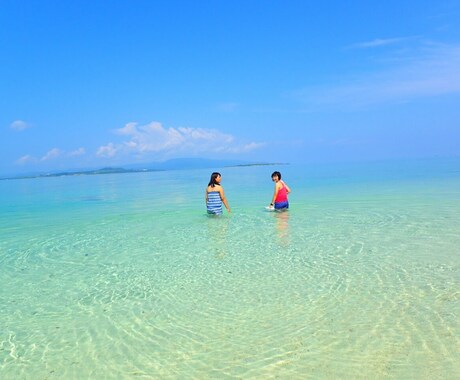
214,203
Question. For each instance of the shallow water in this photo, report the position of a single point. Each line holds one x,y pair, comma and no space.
125,276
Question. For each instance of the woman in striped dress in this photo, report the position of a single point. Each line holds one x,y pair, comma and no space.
215,195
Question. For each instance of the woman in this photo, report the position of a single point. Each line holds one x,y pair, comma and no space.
215,195
280,199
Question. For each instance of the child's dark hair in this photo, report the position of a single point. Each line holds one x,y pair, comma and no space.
212,181
278,174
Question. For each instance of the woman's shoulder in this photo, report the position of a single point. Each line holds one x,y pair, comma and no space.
216,187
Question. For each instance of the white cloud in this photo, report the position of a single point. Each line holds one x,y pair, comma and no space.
53,153
108,150
246,147
378,42
50,155
431,71
153,138
77,152
19,125
27,159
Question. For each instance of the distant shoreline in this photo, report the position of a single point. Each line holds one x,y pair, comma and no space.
118,171
262,164
83,172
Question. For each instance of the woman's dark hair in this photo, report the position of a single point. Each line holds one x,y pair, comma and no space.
278,174
212,181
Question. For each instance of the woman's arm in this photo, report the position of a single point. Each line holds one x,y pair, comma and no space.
224,200
275,193
287,187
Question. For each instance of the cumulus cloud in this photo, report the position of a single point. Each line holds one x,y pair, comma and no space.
53,153
26,159
108,150
426,72
19,125
153,138
77,152
50,155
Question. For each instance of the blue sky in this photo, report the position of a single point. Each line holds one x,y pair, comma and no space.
86,84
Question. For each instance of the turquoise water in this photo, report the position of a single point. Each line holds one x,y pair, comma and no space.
124,276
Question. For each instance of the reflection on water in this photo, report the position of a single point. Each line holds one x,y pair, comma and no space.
217,226
282,226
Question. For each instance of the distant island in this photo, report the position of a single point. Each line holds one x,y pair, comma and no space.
261,164
83,172
176,164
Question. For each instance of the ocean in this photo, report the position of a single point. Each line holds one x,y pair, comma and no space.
122,276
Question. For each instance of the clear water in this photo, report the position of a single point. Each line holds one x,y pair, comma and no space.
125,276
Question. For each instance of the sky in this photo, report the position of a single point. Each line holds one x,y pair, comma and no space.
92,83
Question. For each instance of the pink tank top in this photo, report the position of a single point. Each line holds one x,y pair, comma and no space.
282,195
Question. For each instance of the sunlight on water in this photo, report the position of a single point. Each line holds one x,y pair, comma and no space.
125,276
